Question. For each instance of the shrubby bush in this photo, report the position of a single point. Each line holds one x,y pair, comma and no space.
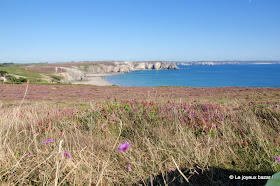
3,73
5,64
56,78
13,79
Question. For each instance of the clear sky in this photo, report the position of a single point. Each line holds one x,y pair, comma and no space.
175,30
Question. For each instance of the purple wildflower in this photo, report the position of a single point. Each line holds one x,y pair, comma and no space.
277,158
67,154
124,147
28,155
128,168
48,141
171,169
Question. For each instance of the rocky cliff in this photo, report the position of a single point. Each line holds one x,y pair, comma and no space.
79,71
125,67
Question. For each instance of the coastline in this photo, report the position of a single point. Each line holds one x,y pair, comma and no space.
94,79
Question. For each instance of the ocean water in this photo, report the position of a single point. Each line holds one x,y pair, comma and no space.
261,75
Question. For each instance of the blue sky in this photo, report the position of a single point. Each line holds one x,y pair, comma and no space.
176,30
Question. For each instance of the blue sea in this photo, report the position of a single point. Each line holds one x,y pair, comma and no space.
261,75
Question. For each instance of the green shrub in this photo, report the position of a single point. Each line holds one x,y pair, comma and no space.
56,78
21,79
3,73
5,64
11,78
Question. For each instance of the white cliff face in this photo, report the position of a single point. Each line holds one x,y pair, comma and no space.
79,73
157,65
125,67
140,66
154,65
94,69
71,74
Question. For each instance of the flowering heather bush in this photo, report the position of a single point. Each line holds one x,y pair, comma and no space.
165,139
46,69
48,141
124,147
85,93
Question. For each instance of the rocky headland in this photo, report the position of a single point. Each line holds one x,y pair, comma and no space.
227,62
93,72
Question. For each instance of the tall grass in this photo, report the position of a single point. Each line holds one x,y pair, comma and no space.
166,138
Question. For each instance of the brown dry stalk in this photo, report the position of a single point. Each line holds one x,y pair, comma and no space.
180,170
102,172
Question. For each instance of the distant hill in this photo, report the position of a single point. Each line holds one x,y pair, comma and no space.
226,62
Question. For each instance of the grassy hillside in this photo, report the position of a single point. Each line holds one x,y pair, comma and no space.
24,70
73,134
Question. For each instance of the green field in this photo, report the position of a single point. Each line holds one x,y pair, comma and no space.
33,76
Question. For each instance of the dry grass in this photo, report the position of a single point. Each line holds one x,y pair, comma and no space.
172,142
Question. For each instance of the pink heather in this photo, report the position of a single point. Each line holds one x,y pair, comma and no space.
48,141
277,158
124,147
67,154
128,168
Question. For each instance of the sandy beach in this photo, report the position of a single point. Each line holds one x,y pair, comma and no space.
94,79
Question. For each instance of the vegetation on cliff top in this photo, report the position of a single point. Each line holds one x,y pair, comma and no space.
25,73
125,136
